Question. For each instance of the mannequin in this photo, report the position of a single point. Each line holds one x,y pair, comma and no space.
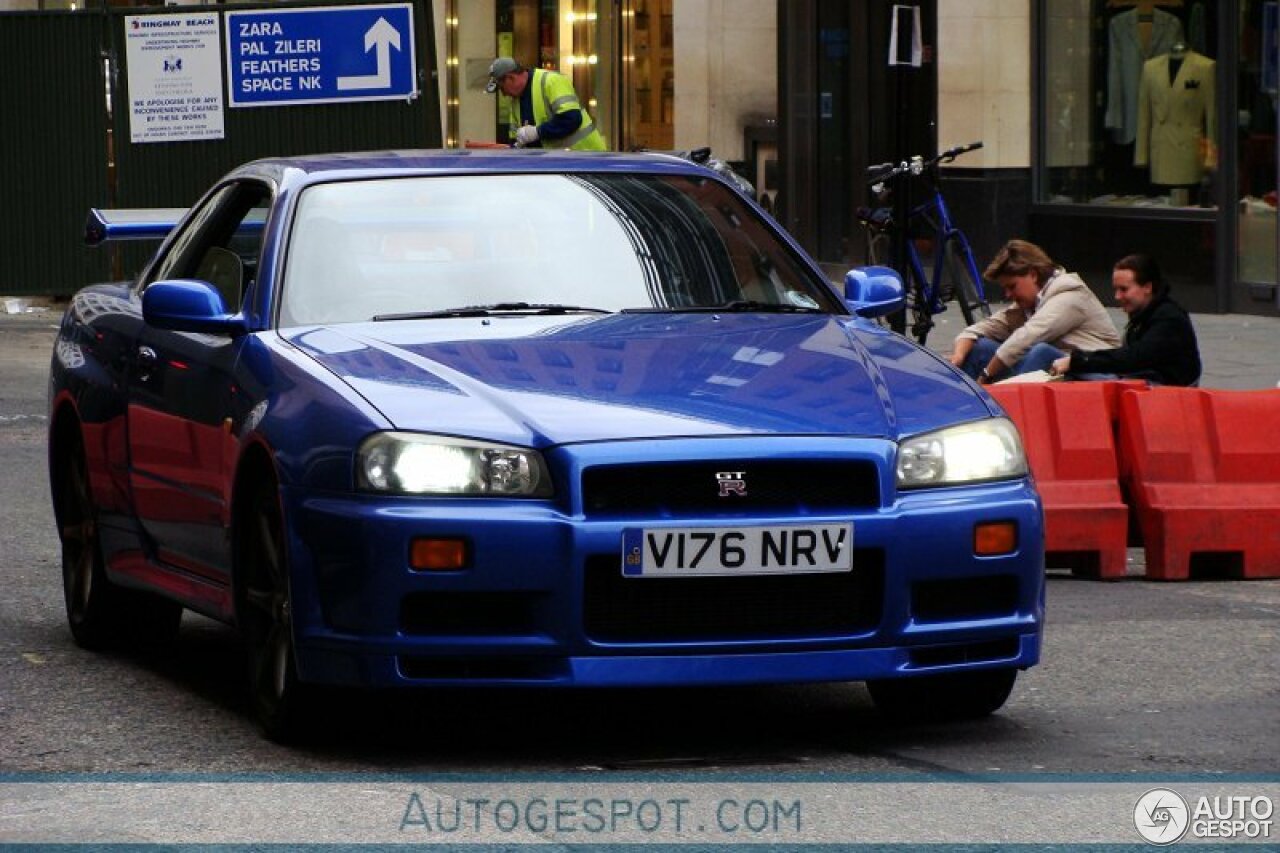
1176,118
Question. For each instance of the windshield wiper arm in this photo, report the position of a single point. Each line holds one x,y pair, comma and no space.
544,308
495,308
780,307
736,305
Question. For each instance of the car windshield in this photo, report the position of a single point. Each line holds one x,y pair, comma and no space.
491,244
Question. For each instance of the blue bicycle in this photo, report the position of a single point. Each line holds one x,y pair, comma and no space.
954,274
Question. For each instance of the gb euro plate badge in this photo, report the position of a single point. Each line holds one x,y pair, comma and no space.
767,550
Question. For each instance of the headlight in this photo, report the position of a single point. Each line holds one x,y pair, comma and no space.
409,463
970,453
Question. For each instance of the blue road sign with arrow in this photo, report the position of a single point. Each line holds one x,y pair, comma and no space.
320,55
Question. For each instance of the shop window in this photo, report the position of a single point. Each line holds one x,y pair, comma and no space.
1130,118
1256,89
650,77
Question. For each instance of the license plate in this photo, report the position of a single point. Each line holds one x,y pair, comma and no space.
773,550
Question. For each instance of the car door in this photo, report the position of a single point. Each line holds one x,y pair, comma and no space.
183,400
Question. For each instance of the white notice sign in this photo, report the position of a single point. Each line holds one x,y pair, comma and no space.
175,77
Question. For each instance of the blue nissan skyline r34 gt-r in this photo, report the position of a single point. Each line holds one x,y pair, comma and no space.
417,419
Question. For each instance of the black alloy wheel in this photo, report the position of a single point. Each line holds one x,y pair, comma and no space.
100,613
264,609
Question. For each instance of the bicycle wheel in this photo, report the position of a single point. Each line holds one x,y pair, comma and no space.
965,287
921,316
879,246
919,306
880,254
916,310
898,320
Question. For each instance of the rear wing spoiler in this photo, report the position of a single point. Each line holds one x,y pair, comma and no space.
130,224
147,223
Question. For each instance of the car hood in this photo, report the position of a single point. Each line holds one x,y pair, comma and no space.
542,380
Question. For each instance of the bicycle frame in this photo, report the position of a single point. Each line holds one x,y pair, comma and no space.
935,212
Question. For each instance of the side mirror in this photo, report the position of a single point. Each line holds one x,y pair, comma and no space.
189,305
874,291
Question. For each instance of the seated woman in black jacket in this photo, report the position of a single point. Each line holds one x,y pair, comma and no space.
1159,341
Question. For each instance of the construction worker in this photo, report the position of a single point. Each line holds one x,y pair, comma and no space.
545,111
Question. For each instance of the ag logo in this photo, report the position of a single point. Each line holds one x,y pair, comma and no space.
1161,816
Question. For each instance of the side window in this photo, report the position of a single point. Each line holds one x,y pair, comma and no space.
221,242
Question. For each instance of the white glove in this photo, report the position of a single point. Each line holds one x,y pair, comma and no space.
526,135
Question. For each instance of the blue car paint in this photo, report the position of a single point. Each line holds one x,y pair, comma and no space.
551,380
587,391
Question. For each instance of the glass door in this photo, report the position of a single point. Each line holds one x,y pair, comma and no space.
1256,146
648,75
587,59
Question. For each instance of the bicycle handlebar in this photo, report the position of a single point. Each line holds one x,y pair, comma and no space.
882,172
952,153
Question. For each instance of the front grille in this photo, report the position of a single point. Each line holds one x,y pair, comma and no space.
619,609
695,487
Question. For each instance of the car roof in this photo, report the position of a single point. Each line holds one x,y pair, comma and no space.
315,168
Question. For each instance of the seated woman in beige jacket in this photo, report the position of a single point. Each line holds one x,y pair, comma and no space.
1051,313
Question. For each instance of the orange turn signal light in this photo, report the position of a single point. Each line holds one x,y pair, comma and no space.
438,555
992,538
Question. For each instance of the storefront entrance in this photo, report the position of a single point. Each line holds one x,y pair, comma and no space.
620,56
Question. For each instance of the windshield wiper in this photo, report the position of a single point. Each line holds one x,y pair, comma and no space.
734,306
769,307
495,308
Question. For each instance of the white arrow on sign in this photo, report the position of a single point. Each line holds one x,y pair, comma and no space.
380,35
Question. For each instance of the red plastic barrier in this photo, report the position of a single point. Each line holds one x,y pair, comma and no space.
1205,478
1067,431
1111,394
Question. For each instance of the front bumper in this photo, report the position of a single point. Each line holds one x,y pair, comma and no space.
544,602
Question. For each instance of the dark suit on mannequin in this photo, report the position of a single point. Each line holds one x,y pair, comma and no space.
1126,55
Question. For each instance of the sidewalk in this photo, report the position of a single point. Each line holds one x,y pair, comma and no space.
1239,351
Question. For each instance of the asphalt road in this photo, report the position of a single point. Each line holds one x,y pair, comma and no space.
1137,678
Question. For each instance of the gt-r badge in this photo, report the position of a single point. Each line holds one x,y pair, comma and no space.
732,483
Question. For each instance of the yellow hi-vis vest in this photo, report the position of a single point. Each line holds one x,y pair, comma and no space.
552,93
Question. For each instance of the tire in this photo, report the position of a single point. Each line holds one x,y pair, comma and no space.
283,706
968,292
921,316
898,321
943,698
879,248
101,614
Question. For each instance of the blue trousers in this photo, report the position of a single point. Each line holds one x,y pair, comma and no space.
1039,357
